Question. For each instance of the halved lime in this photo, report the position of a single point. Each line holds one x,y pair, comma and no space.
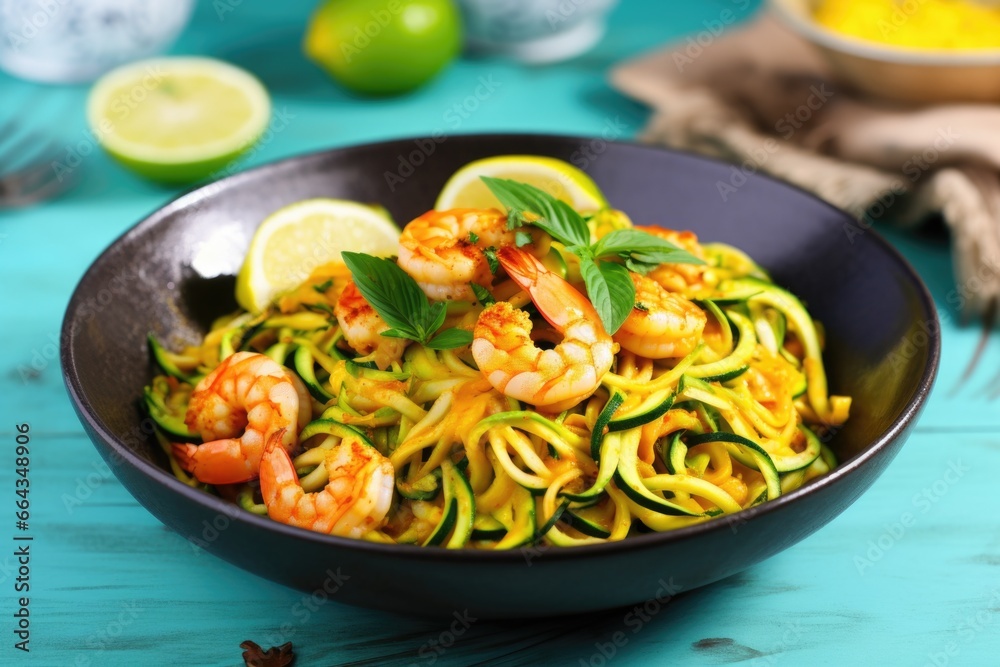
294,240
178,120
560,179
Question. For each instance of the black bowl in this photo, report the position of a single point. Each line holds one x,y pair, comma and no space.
172,273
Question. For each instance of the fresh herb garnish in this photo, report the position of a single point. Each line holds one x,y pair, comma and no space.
522,239
399,301
473,238
491,259
323,286
483,295
320,308
604,265
543,211
639,305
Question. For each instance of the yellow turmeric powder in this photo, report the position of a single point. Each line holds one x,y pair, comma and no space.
921,24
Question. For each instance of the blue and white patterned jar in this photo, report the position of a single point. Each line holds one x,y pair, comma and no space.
77,40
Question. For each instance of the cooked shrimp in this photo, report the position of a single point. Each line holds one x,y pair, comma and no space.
507,356
355,500
248,394
687,279
363,327
438,251
662,324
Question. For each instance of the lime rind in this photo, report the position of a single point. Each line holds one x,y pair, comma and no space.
165,156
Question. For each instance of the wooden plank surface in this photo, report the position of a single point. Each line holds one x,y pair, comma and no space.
112,586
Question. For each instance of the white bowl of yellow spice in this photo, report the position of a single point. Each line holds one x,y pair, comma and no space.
915,51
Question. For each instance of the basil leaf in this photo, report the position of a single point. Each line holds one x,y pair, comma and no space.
667,257
400,333
491,259
323,286
320,308
597,290
515,219
449,339
435,319
393,294
483,295
621,290
643,247
555,217
639,267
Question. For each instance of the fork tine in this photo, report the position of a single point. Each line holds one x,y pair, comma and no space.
26,159
31,184
25,197
16,154
9,127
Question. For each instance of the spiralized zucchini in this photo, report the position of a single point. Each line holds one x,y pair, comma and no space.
661,444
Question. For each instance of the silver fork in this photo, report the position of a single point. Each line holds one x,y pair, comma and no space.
27,174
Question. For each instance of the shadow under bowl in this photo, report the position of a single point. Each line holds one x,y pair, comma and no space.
171,274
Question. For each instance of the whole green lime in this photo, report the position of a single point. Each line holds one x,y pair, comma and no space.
384,47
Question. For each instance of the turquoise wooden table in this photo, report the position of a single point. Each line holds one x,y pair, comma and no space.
909,575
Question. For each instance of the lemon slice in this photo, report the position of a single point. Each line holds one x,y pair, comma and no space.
560,179
296,239
178,120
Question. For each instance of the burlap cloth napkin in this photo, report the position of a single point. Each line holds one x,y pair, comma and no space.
763,98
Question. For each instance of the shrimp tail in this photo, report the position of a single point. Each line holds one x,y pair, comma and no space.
558,302
216,462
276,471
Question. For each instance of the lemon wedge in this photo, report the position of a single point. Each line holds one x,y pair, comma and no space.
294,240
560,179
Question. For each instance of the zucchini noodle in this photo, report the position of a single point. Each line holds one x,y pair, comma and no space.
736,420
